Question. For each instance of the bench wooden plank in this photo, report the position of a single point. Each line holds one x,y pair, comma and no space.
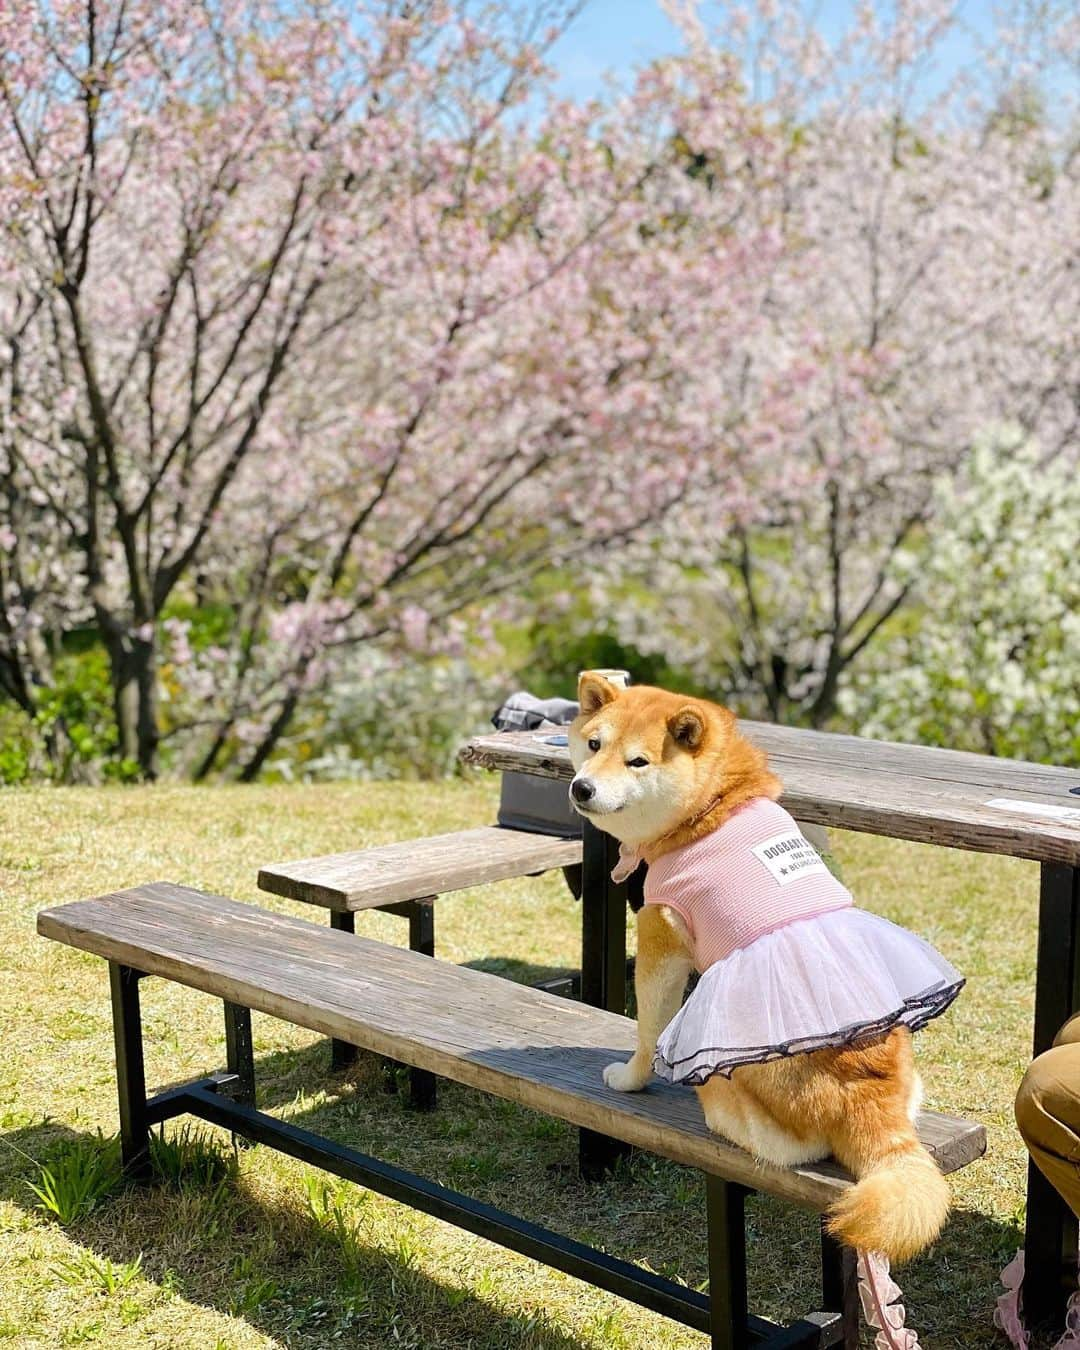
515,1042
914,792
416,868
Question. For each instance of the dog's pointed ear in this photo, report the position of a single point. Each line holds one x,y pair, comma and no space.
687,727
593,692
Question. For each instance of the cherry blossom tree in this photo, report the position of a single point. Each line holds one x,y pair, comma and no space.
326,320
926,291
303,315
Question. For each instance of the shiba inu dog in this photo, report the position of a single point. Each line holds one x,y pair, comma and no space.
663,773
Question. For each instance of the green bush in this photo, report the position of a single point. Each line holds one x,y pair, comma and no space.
72,736
556,657
990,661
17,745
389,719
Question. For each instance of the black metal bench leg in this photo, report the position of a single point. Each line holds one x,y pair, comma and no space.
840,1286
342,1054
1050,1241
421,916
422,1093
240,1053
727,1263
130,1073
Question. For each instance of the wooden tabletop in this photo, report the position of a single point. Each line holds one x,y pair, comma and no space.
881,787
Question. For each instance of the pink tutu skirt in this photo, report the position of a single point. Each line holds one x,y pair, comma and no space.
829,981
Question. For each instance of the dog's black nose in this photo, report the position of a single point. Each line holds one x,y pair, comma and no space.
582,790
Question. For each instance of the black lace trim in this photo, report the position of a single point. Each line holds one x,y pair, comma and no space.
914,1013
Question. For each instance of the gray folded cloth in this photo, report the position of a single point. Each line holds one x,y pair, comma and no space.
523,711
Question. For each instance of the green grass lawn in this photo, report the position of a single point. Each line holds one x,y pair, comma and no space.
263,1251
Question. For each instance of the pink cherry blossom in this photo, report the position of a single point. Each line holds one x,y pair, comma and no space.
334,321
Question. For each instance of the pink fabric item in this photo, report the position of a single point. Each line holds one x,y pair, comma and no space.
755,874
880,1296
1008,1315
788,964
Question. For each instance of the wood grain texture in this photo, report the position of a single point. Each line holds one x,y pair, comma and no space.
507,1039
912,792
416,868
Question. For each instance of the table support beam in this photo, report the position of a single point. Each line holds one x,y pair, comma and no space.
240,1051
1050,1244
603,969
130,1074
422,1090
342,1054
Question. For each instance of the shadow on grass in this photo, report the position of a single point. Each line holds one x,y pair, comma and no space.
338,1269
303,1269
23,1149
289,1272
652,1211
521,972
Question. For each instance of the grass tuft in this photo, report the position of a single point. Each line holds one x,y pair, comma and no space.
187,1158
77,1178
330,1205
98,1273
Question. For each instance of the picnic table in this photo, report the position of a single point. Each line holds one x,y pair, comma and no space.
945,797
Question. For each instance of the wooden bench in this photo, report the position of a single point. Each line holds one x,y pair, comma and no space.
407,878
418,869
518,1043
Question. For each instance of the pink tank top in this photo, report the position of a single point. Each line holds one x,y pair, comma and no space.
752,875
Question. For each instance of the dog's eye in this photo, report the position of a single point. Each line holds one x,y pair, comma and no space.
637,763
594,743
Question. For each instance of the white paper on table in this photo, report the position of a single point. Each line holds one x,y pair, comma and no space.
1046,809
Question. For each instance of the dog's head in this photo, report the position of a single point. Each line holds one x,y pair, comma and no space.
647,760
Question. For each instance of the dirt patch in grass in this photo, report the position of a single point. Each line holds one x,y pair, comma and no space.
269,1252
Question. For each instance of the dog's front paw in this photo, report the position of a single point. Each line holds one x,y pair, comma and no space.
626,1077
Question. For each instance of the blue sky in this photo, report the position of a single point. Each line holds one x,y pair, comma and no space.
617,35
611,35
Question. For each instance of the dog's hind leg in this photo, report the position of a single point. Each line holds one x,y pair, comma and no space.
660,974
725,1107
740,1117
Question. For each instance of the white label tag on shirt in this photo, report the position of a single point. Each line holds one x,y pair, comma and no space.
1046,809
789,857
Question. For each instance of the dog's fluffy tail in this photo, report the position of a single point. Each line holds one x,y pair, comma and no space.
897,1206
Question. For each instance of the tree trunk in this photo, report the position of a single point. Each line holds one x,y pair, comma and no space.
206,764
824,704
133,664
13,684
275,731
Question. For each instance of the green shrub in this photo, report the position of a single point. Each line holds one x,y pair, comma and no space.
17,745
991,663
386,717
72,736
